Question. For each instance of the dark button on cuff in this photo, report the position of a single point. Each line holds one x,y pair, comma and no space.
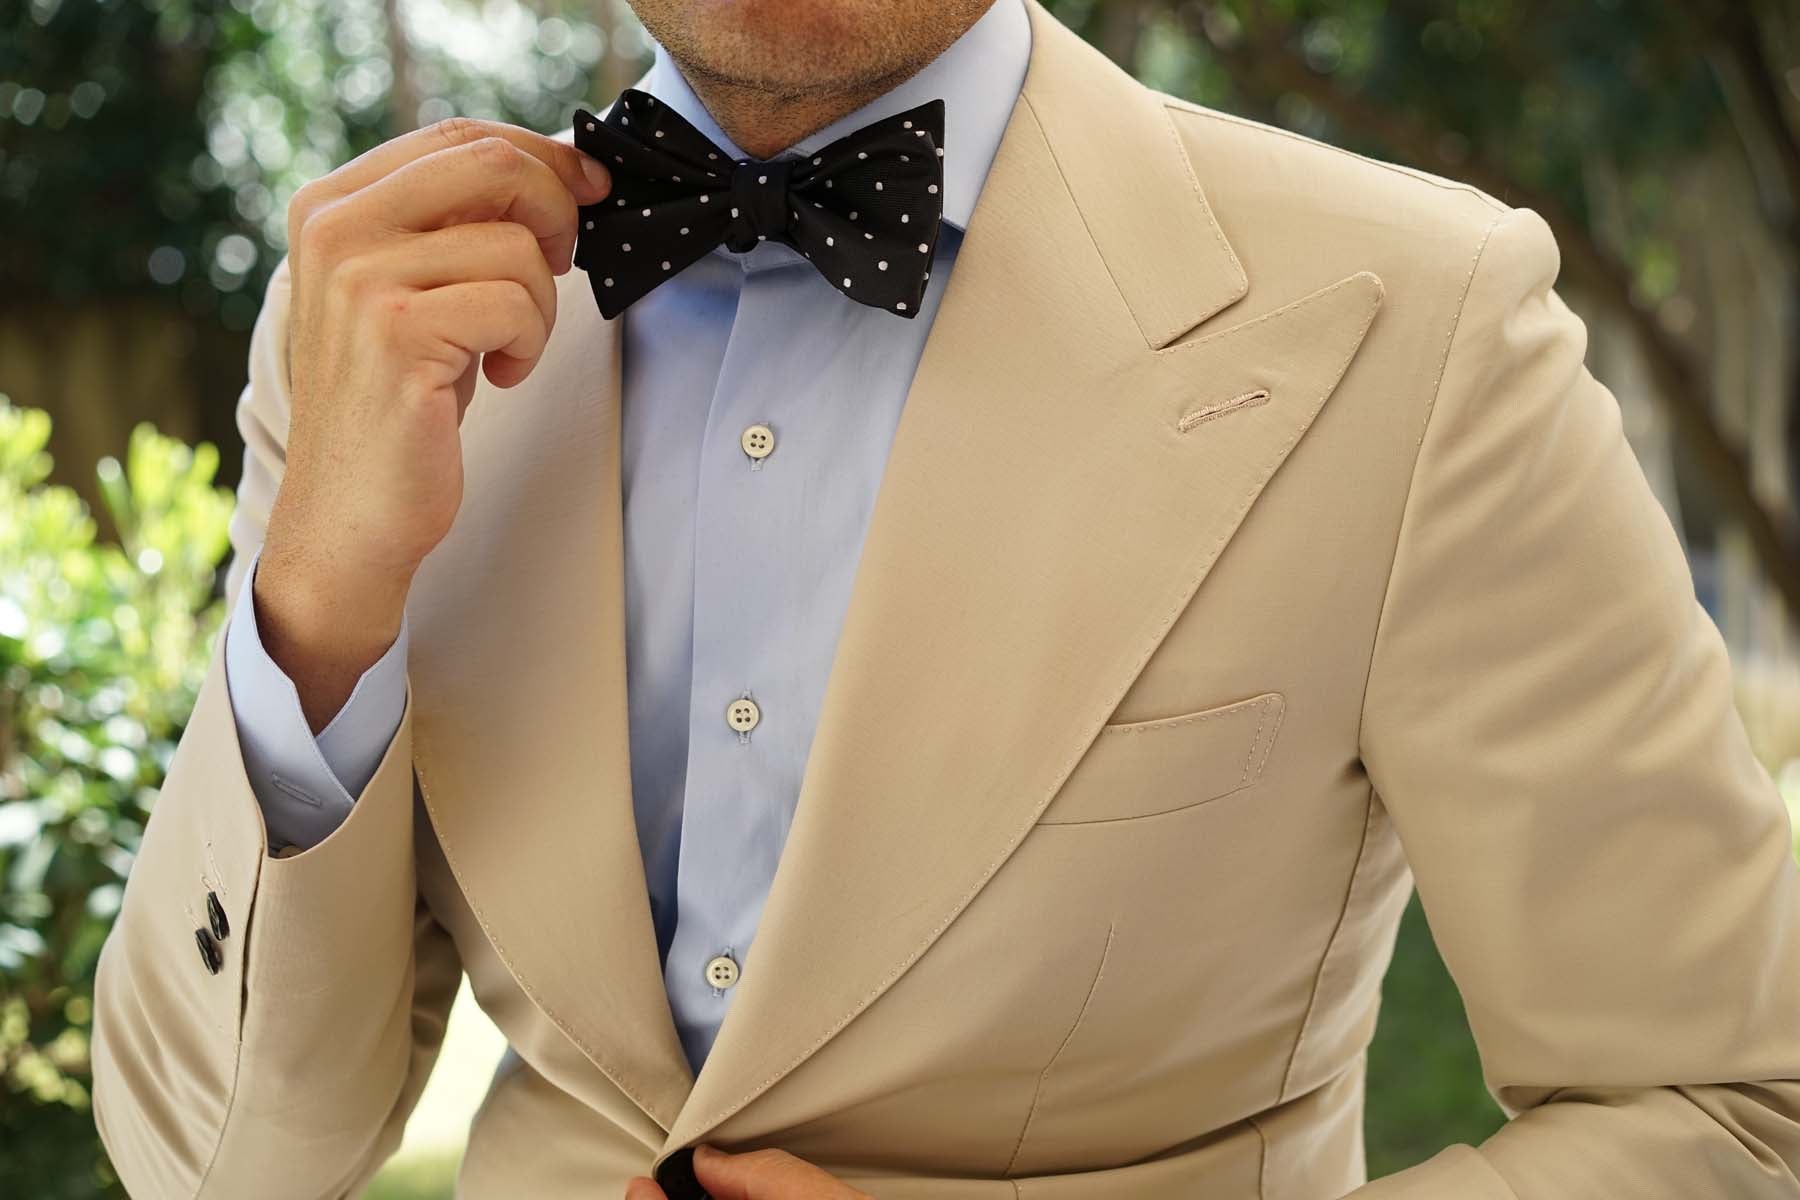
209,952
215,916
677,1179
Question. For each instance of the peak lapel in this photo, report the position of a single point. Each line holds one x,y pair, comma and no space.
1045,514
520,736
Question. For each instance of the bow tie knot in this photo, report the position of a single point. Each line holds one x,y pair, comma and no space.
864,210
759,202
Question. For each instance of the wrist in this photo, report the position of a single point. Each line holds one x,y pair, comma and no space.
324,621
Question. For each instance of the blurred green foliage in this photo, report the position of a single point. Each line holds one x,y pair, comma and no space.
1424,1085
102,141
425,1178
152,145
102,650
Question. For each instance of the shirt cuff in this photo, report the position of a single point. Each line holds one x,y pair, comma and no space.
306,784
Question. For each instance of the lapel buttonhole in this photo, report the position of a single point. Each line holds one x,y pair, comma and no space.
1207,413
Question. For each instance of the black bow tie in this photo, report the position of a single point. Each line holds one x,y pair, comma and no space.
864,209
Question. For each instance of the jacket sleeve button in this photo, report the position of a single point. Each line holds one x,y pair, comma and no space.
215,916
209,952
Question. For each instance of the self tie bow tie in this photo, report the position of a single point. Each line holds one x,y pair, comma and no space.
864,209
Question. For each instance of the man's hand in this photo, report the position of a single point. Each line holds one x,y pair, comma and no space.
753,1175
413,265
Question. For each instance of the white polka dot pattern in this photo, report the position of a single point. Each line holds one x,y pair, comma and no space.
663,193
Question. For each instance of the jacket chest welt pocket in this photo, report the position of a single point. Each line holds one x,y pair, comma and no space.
1146,768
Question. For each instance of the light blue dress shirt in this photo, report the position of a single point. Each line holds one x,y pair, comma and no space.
737,568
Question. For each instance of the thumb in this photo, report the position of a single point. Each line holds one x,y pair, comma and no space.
763,1175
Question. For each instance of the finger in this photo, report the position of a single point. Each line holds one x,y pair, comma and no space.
450,325
765,1175
580,173
641,1187
488,180
463,254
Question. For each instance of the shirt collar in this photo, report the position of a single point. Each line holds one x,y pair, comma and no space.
978,77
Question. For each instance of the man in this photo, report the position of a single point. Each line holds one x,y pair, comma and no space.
1042,697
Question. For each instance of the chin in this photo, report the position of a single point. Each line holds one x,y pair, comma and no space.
801,46
774,24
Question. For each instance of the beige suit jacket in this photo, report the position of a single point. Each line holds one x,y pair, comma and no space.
1254,544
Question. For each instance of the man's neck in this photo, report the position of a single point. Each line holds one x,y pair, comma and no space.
763,123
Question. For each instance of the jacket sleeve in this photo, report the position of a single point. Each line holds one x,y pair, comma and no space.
286,1067
1606,868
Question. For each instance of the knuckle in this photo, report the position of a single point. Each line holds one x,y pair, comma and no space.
418,399
540,277
530,316
547,284
301,205
495,154
515,297
518,240
323,230
458,131
353,277
569,211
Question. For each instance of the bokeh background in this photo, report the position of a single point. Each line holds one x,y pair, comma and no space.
148,149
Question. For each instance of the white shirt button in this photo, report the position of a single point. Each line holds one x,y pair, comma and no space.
758,441
722,972
742,714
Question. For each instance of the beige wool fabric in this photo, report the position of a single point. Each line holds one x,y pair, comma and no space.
1254,545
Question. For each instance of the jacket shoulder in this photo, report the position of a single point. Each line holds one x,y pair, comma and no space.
1272,185
1214,133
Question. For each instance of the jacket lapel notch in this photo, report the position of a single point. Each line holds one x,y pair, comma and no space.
1116,146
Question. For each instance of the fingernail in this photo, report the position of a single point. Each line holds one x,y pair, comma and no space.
596,174
706,1153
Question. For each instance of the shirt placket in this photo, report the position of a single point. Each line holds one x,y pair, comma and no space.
744,751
